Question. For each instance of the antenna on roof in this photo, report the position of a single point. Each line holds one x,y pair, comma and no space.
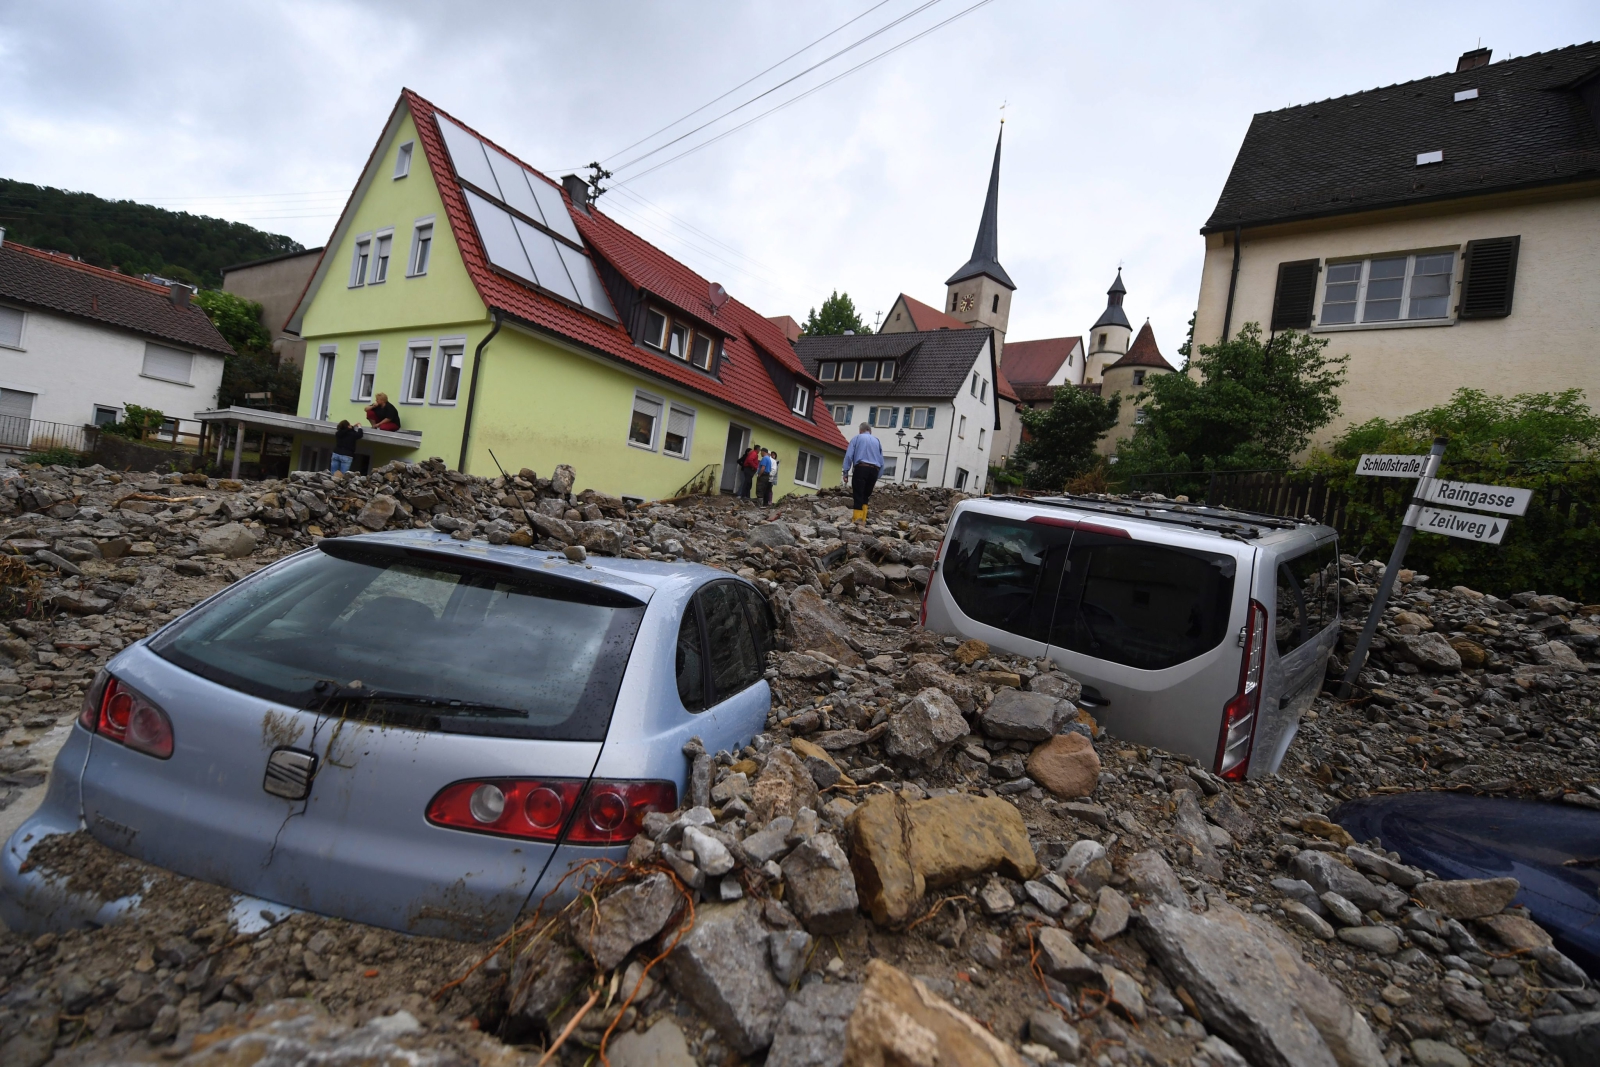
597,174
719,296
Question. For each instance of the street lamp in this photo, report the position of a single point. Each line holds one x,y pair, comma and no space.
907,447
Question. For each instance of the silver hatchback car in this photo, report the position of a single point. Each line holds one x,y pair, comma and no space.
1196,630
403,729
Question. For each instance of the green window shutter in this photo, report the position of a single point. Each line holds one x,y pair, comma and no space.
1489,278
1296,294
872,416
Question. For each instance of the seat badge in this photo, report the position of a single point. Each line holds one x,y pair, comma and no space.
289,773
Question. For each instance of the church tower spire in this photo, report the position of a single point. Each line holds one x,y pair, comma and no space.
1109,336
979,294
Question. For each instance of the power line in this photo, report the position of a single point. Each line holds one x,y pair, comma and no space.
796,99
747,81
768,92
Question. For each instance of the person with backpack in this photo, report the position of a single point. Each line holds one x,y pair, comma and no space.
746,474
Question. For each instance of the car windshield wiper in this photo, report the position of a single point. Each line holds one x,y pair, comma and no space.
328,693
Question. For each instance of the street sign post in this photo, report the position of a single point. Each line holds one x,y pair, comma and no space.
1485,529
1501,498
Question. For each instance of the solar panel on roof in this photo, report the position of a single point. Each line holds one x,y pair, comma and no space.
514,185
590,291
541,248
555,209
466,152
500,241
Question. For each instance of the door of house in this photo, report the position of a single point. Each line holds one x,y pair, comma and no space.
16,414
319,408
738,441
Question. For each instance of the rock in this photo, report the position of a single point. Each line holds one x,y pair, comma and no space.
1468,898
822,890
1517,933
1048,900
970,652
995,898
1552,962
900,848
783,787
710,855
376,515
1308,920
1153,878
549,526
1221,810
1503,1033
899,1022
1110,915
1048,1028
1430,651
1327,875
1466,1004
1346,913
627,918
1252,987
562,479
1058,685
1086,864
813,624
80,603
663,1045
542,978
1300,890
988,949
770,535
1379,939
1575,1038
788,949
230,540
1124,992
1430,1053
1067,765
811,1030
1382,866
721,967
770,842
1560,655
922,675
924,729
1017,716
1190,827
1061,958
1473,655
734,787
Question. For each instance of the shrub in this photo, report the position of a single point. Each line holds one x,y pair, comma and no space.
57,456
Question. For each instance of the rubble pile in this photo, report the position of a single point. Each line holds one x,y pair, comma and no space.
932,855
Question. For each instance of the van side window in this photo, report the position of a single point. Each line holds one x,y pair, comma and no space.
691,665
1143,605
736,662
1004,573
1308,596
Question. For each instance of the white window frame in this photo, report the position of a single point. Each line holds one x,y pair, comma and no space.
800,463
982,430
861,375
363,350
1138,416
666,425
419,229
674,331
983,391
826,371
711,340
876,415
116,414
1411,257
961,427
660,341
442,361
891,464
886,371
402,159
927,418
22,330
974,383
962,475
802,400
380,264
360,260
847,411
423,345
655,429
911,468
322,385
851,367
143,373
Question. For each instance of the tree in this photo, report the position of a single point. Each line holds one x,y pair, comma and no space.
837,316
254,367
1255,404
1060,441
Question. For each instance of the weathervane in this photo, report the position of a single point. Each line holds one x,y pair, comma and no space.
1002,112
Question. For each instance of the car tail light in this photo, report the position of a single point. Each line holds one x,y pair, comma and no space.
1239,716
539,809
119,713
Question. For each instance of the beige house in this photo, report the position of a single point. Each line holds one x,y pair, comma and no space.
1443,232
276,283
1127,378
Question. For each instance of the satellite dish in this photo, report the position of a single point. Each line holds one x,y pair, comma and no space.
719,296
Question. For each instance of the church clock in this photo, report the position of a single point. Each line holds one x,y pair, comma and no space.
966,303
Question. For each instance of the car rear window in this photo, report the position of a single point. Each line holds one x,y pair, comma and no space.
417,639
1004,572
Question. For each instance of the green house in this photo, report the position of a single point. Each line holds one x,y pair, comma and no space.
501,311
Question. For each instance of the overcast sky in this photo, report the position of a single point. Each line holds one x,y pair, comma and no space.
1122,121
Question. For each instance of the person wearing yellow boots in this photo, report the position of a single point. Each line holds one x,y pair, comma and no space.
863,460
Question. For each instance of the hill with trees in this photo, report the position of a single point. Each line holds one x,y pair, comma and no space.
132,237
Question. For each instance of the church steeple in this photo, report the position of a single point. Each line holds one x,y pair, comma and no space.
986,249
1109,336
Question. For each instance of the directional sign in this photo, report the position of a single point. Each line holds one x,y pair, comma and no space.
1464,524
1392,466
1501,498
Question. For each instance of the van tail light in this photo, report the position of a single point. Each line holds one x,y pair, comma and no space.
1239,715
118,712
538,809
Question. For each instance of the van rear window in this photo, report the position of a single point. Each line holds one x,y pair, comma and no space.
1004,573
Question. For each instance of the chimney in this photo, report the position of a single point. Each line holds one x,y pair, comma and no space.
578,189
180,294
1478,57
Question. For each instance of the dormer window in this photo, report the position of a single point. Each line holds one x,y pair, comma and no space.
847,372
869,372
680,340
886,372
826,371
700,352
802,400
655,329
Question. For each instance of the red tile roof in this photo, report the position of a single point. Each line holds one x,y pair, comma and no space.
744,382
1003,386
1036,362
791,329
61,284
1034,392
925,317
1143,352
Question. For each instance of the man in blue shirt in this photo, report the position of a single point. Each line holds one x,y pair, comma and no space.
862,462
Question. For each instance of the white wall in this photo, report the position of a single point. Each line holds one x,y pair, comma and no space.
71,366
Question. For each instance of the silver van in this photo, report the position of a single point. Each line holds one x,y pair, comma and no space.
1196,630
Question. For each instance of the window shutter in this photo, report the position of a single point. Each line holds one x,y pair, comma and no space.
872,416
10,327
1297,291
930,417
167,363
1489,278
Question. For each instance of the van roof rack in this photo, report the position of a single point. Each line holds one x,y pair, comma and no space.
1225,521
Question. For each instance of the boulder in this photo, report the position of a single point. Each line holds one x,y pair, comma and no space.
231,540
1559,654
720,966
1575,1038
1517,933
1430,1053
1372,863
1468,898
1014,715
783,787
1061,958
812,1027
899,1022
1191,827
1153,878
1252,987
1124,992
377,513
1379,939
900,848
1326,874
1430,651
789,950
970,651
1048,1028
822,889
1110,914
814,625
770,535
925,727
1473,655
562,479
1221,810
922,675
554,528
627,918
1058,685
663,1045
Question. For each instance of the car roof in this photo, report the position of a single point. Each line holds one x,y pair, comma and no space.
638,578
1218,522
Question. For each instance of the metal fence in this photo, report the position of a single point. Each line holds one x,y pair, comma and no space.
22,435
